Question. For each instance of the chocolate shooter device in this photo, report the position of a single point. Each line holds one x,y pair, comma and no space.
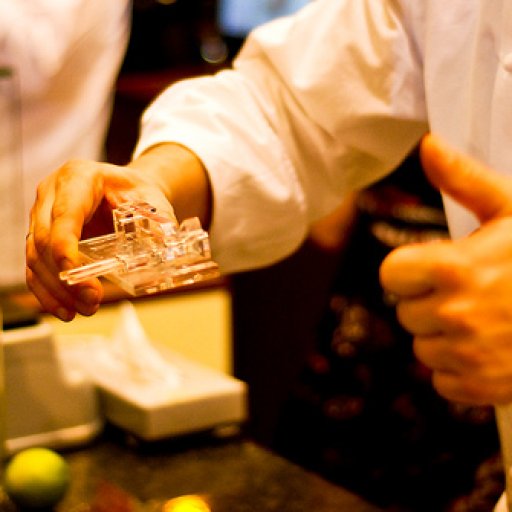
147,252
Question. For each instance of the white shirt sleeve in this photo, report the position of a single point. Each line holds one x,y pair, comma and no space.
318,104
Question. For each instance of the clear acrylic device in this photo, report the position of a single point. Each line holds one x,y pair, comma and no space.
147,252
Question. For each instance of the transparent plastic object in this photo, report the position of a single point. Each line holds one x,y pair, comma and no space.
147,252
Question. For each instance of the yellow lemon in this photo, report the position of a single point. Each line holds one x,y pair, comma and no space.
188,503
36,478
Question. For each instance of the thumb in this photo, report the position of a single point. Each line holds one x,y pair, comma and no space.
475,186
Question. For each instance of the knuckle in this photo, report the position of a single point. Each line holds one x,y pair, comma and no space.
29,277
31,259
71,169
72,165
41,190
31,256
459,314
41,239
454,270
468,356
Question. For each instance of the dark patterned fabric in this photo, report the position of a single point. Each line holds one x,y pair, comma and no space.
363,412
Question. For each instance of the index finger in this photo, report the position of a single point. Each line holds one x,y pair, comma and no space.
79,190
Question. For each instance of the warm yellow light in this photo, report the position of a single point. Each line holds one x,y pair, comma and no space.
189,503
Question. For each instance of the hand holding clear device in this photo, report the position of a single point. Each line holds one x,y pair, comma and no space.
147,252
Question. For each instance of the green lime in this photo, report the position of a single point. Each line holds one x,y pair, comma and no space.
36,478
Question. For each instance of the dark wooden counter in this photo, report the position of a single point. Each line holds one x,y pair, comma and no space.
230,475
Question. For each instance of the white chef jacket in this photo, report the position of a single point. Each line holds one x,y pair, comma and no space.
331,99
65,55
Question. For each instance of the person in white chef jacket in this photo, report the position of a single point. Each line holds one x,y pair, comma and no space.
60,60
317,105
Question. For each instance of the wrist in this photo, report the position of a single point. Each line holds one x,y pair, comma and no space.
181,176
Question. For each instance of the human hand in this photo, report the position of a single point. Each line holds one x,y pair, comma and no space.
77,201
455,297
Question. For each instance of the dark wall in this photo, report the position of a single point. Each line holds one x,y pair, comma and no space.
276,312
171,34
169,41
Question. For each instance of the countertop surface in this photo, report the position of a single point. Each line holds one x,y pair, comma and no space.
119,474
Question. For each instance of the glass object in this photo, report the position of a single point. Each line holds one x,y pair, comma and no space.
12,208
147,252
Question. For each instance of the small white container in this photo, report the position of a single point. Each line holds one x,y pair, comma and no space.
50,401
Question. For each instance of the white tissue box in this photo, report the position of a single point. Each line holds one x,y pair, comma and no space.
49,398
152,391
204,399
59,387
